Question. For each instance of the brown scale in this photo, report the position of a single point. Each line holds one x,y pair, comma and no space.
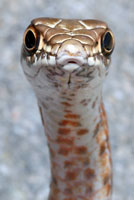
67,141
71,175
64,150
97,128
72,116
82,132
69,123
81,150
64,131
102,147
66,104
68,163
89,173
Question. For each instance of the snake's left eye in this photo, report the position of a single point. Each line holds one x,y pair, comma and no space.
107,43
30,39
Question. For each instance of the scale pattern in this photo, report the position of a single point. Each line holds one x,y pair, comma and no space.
71,106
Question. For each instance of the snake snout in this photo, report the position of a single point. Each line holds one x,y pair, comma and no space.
71,55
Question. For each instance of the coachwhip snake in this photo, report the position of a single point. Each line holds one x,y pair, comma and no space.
66,62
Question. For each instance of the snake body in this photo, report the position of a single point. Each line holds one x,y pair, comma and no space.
66,62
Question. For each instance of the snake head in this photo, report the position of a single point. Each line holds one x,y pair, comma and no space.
67,52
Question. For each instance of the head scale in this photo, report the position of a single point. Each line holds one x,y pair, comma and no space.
57,49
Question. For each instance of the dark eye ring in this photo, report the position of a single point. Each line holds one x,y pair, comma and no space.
107,43
30,39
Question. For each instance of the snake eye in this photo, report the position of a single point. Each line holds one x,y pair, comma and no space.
30,39
107,43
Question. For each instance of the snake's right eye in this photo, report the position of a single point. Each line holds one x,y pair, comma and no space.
30,39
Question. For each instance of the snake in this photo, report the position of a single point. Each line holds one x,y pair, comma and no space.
66,62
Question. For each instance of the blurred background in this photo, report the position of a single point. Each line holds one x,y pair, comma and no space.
24,162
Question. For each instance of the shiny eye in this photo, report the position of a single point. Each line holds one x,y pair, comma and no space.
107,43
30,39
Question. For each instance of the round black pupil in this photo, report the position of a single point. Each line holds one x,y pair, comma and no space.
108,41
30,40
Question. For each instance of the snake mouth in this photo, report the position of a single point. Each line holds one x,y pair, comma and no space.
71,64
71,59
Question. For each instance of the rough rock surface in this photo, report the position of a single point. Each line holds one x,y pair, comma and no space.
24,163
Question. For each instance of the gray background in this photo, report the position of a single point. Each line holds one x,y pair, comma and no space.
24,163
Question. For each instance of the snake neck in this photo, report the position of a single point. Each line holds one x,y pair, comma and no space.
76,129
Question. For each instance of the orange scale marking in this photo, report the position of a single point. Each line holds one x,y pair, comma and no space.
69,123
72,116
68,163
64,131
64,150
62,140
66,104
89,173
102,147
82,131
81,150
71,175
